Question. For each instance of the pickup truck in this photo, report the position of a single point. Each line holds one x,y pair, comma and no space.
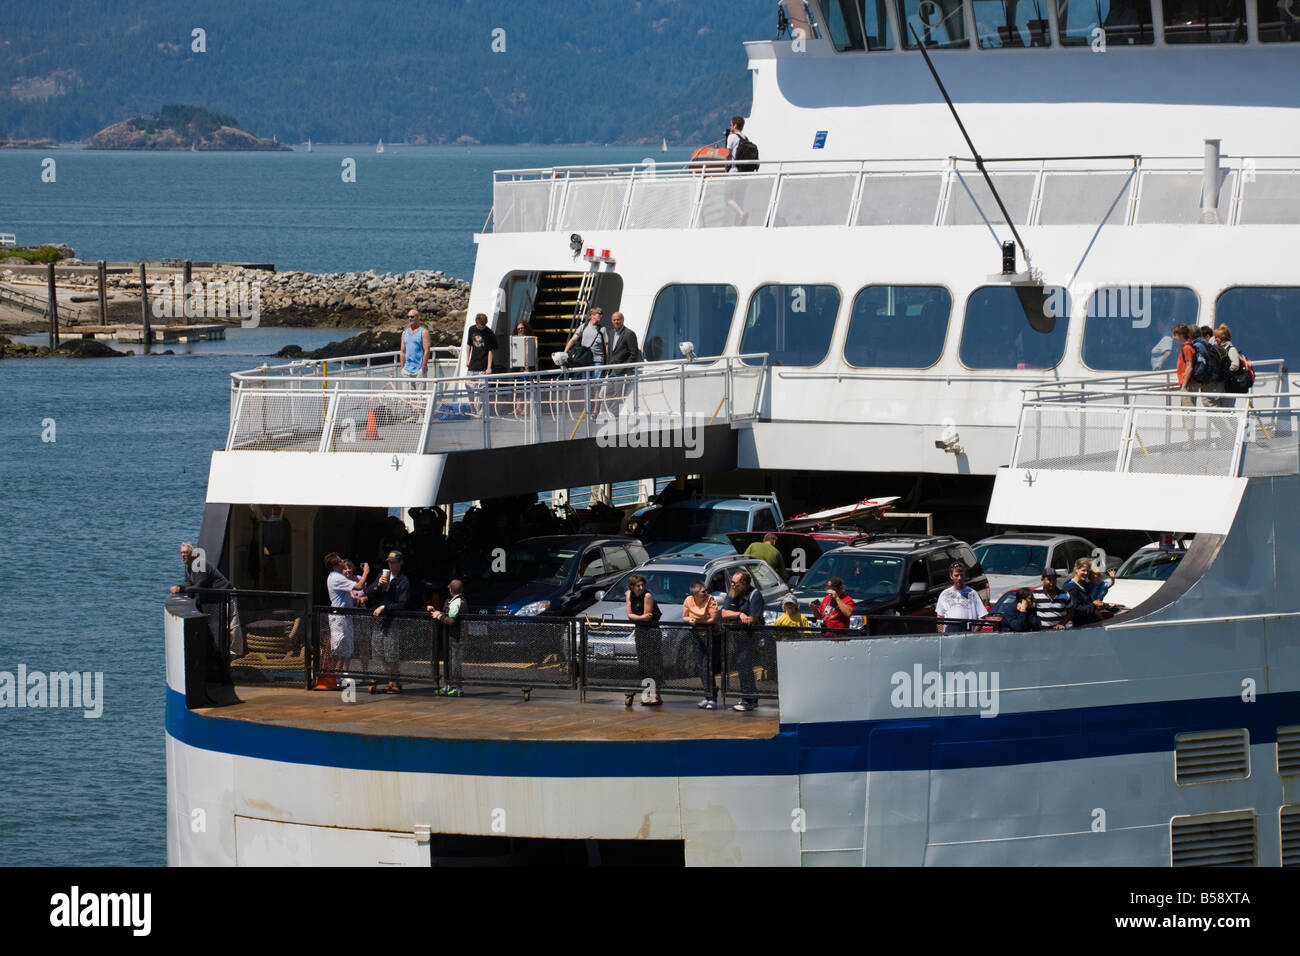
700,525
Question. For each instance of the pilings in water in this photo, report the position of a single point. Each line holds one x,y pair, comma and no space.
53,306
144,311
102,270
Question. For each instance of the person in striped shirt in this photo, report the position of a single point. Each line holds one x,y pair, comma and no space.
1051,603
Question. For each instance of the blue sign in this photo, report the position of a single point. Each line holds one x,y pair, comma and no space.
819,141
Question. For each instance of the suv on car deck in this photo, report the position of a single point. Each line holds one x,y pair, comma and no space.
700,525
894,574
553,576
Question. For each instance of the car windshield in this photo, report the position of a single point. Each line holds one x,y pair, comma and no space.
865,575
1005,603
1026,559
668,587
695,524
1150,565
534,563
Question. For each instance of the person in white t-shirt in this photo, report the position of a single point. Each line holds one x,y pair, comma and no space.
451,617
341,644
959,602
733,143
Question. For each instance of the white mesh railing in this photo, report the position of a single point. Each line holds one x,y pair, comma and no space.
1120,190
1138,423
814,200
444,415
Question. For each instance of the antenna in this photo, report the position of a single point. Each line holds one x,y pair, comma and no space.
979,160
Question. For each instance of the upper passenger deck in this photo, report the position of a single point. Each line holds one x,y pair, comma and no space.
1029,77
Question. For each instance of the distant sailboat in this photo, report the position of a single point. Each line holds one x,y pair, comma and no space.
664,147
380,147
309,145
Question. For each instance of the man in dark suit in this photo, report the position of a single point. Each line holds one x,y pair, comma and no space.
624,346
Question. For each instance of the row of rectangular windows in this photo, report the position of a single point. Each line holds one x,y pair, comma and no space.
863,25
1004,327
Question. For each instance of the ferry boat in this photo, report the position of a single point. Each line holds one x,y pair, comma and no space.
843,320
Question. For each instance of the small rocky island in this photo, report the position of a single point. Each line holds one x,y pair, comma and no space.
181,127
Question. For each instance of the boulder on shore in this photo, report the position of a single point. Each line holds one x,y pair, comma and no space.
88,348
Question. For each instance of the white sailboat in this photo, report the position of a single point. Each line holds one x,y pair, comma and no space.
309,145
664,146
380,147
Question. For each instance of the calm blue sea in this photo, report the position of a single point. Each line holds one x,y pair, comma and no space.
90,522
411,207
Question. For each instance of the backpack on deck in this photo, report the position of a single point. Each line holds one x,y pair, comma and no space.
1210,362
1242,380
746,155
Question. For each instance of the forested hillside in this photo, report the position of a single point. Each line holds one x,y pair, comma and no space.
538,71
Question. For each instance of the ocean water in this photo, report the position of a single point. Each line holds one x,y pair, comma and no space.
410,207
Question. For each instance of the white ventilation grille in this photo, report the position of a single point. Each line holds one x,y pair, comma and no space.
1212,755
1291,836
1214,839
1288,751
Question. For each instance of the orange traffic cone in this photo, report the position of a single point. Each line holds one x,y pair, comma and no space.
372,428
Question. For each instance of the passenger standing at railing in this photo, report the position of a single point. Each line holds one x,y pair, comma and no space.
959,603
451,619
391,593
644,613
210,579
480,349
700,610
624,349
744,606
836,608
337,651
416,348
591,338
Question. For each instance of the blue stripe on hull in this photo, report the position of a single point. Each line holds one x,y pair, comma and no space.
937,743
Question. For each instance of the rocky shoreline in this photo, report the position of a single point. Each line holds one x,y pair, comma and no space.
303,299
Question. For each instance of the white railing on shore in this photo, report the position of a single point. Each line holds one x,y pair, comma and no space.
1121,190
1144,424
635,405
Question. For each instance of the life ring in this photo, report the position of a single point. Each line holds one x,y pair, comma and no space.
1291,8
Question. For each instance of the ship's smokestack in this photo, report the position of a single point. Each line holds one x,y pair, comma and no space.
1210,183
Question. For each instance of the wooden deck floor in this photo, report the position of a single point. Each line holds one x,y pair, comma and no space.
494,714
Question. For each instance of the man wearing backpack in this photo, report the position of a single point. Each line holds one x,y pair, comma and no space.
739,148
1240,374
1201,368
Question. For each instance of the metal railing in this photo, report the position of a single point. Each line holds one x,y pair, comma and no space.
361,412
1124,190
1144,424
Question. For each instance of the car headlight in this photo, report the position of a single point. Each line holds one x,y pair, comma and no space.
769,618
855,622
534,609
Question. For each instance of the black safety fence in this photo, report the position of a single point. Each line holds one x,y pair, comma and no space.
278,637
261,636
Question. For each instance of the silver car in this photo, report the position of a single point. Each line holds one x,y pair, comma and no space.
669,578
1016,560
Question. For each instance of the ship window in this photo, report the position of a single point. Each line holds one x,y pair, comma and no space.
791,323
898,326
938,23
1011,24
998,332
843,24
858,24
700,314
1127,329
1124,22
1205,21
1263,321
1279,21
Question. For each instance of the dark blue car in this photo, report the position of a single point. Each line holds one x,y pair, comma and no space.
553,576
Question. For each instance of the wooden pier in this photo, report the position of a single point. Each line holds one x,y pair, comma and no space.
133,334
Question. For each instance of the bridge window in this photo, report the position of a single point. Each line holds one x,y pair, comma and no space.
858,24
1263,320
1279,21
791,323
1011,24
1205,21
1127,329
1018,327
1124,22
898,326
700,314
939,23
